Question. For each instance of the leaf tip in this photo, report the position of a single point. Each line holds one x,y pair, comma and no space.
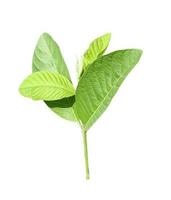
20,87
107,36
44,34
139,52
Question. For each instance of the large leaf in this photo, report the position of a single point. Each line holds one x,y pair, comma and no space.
101,82
47,57
96,49
46,86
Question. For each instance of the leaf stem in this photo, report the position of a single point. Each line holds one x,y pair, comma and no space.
84,135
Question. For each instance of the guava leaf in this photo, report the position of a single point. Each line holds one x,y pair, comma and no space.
63,107
46,86
48,57
96,48
100,83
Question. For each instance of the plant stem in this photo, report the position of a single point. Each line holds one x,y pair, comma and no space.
84,134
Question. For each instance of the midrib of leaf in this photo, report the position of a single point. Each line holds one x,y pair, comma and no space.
50,52
105,98
44,86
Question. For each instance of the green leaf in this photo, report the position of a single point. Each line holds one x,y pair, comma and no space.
96,49
46,86
66,113
101,82
47,56
63,107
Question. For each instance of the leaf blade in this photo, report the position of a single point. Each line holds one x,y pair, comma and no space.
101,82
46,86
46,52
96,48
48,57
66,113
63,107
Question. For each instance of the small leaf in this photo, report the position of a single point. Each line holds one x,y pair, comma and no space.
47,56
46,86
96,49
100,83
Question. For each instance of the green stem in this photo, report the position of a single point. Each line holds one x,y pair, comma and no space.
84,134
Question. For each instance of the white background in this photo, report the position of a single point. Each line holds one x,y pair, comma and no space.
41,155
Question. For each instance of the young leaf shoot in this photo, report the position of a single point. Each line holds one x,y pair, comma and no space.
100,78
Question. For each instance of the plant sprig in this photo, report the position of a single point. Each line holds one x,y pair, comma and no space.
100,78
